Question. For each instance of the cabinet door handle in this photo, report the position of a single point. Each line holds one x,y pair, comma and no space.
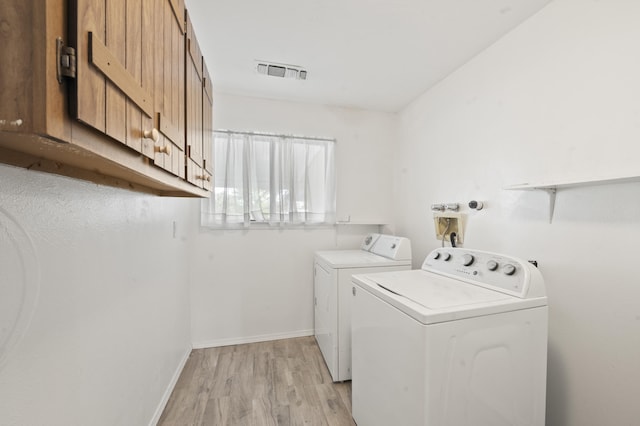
206,178
152,134
164,149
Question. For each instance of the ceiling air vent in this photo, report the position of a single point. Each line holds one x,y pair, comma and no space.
281,70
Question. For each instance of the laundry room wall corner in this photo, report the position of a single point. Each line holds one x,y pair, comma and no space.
555,99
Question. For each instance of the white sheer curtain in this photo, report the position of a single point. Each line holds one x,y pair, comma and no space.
279,180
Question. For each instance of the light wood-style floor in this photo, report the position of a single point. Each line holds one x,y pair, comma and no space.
281,382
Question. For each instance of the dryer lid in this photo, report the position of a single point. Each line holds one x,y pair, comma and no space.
355,259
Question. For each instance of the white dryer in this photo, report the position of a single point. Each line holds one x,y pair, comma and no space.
460,342
332,293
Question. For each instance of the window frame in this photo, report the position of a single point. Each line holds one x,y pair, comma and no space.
328,189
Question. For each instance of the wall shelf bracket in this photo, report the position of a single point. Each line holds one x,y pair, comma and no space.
552,201
552,188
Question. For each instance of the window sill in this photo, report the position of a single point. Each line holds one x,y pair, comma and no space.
268,227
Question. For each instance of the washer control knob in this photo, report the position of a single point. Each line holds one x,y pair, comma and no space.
436,255
492,265
467,259
446,256
509,269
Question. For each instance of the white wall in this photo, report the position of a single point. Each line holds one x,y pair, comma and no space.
110,325
256,285
558,98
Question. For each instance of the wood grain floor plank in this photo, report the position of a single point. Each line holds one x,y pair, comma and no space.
217,411
332,406
275,383
263,413
308,410
344,390
193,388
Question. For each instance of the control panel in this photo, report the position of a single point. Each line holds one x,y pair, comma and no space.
392,247
499,272
369,241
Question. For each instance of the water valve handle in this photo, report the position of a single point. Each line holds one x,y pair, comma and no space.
476,205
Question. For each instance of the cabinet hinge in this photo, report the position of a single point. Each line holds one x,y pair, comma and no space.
65,61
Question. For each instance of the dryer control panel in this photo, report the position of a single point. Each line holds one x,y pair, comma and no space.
499,272
392,247
369,241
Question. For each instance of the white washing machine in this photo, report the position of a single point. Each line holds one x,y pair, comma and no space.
460,342
332,293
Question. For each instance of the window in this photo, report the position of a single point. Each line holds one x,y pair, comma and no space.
272,179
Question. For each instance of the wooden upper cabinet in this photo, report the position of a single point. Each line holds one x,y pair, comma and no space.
115,70
199,125
130,71
123,118
31,100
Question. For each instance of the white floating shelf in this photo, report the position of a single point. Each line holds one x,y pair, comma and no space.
573,183
552,187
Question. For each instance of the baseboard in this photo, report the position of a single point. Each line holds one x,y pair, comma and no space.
251,339
167,392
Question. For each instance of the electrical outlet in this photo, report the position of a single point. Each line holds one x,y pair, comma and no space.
446,223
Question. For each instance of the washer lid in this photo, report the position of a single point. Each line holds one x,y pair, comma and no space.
355,259
431,298
436,293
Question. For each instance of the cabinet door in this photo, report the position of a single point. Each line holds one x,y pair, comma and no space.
169,85
194,96
140,24
113,88
196,111
207,122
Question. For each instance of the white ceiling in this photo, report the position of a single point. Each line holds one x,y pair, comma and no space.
370,54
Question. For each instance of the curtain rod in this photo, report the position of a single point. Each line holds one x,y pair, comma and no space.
275,135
